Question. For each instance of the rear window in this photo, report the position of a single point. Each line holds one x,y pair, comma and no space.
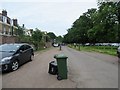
9,47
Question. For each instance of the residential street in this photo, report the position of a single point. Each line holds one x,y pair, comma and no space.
85,70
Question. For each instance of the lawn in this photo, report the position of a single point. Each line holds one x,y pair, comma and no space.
111,50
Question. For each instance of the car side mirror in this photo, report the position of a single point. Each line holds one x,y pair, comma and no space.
21,51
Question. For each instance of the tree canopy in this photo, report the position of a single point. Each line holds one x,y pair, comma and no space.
51,35
96,25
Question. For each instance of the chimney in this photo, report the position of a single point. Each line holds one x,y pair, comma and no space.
15,22
4,13
23,26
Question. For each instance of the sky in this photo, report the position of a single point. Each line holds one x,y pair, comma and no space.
47,15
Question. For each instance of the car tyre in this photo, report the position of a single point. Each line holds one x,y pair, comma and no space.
59,78
15,65
31,57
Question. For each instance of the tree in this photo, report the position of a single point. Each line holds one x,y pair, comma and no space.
96,25
20,34
36,37
19,31
118,21
59,39
107,22
78,32
51,35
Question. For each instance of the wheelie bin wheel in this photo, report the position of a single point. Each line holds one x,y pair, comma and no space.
59,77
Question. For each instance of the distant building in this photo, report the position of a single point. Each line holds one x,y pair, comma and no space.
28,32
8,28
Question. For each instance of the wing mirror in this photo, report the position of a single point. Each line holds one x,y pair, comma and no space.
21,51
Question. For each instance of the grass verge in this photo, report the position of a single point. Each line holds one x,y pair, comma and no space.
111,50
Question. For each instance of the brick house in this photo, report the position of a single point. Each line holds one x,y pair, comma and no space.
8,28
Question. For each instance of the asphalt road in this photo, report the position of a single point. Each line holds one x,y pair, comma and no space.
85,70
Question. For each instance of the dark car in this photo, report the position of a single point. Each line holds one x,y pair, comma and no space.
14,55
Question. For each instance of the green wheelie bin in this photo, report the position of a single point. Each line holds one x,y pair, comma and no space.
62,66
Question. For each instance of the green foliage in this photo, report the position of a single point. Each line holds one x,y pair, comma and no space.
20,31
21,36
59,39
96,25
111,50
51,35
36,37
25,39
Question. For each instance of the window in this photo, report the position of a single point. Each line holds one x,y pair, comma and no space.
8,47
22,48
27,47
8,20
1,18
11,21
4,19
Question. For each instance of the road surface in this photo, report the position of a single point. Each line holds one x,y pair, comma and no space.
85,70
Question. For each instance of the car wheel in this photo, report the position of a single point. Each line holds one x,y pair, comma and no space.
15,65
59,77
31,57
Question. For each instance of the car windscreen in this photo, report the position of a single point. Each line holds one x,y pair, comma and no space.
9,47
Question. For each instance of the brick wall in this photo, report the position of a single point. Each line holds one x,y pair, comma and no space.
7,39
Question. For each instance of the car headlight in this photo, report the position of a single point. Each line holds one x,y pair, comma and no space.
5,60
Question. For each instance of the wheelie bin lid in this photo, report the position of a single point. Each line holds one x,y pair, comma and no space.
60,56
54,63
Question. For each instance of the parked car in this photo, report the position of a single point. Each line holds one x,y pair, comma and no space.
56,45
97,44
14,55
118,52
87,44
115,44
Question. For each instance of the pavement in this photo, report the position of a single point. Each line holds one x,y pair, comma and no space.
85,70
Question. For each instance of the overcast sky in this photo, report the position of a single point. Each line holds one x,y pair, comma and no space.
51,16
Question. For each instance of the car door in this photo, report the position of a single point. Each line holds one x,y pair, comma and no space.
22,54
28,52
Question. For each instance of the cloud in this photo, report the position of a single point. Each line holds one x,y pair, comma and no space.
48,0
49,16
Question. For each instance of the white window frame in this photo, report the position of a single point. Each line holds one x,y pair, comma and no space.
4,19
